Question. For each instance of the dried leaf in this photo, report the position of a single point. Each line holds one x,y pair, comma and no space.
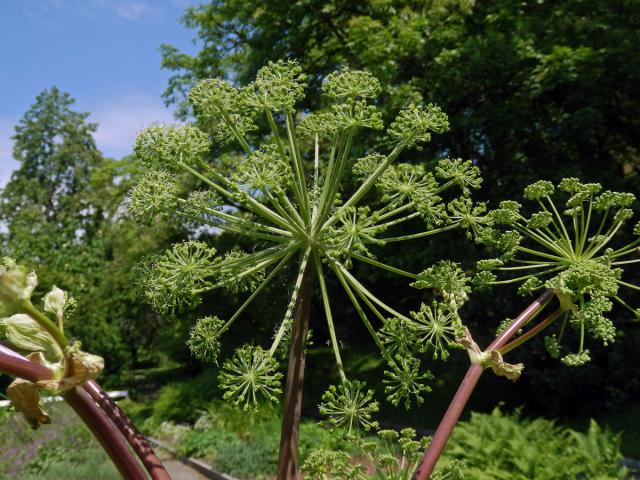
503,369
81,367
491,359
25,396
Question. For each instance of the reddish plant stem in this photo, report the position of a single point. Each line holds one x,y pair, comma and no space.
468,384
106,433
288,458
97,421
136,440
552,317
16,365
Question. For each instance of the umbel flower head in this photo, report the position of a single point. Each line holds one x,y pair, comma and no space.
287,196
204,339
350,406
571,247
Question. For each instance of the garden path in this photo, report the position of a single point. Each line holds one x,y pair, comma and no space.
178,470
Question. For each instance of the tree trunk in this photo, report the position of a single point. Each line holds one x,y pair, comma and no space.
288,461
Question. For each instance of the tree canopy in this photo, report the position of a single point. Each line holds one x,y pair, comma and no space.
62,214
531,88
47,206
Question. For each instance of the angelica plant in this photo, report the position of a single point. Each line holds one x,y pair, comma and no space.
391,455
290,193
569,245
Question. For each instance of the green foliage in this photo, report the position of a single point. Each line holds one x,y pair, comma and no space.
54,461
227,452
245,444
493,446
391,456
62,210
499,446
65,449
495,67
324,464
45,205
395,455
181,401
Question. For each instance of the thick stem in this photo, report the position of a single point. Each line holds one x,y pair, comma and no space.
451,417
106,433
288,461
137,441
16,365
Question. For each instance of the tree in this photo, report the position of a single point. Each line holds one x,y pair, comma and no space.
528,86
46,205
62,213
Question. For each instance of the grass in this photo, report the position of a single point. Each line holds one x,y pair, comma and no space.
64,449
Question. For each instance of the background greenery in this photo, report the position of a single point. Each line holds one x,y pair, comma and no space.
534,89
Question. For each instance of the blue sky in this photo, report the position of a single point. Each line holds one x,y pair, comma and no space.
105,53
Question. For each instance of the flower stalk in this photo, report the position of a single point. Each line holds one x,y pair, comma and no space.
468,385
123,423
292,403
106,433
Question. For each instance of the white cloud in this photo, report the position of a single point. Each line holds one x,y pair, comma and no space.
7,164
120,120
132,10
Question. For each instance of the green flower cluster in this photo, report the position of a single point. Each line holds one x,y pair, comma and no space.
350,406
570,249
285,194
